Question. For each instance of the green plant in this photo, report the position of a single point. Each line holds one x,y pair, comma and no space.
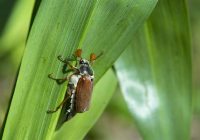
154,71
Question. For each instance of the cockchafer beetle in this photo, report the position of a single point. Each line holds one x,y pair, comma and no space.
80,85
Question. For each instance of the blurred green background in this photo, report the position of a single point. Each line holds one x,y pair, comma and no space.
116,112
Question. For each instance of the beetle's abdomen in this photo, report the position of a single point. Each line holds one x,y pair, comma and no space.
71,89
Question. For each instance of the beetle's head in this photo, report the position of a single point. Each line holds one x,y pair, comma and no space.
84,62
85,68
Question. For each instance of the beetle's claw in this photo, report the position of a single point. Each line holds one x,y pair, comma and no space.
59,56
50,75
50,111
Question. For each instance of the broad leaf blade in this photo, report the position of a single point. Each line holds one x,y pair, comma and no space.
59,28
155,74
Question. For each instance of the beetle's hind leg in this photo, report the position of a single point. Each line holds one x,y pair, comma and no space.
59,106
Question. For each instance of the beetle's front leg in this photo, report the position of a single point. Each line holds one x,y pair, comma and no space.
66,61
58,80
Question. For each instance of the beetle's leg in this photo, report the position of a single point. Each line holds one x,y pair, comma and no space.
75,57
58,80
59,106
65,70
76,63
73,67
67,62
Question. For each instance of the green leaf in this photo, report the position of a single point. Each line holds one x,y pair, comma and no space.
155,74
14,26
195,22
103,92
59,28
15,31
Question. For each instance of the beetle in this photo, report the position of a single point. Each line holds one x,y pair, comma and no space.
80,85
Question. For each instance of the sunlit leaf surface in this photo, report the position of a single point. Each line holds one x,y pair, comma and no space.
155,74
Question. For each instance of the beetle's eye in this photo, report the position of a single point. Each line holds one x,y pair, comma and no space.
81,62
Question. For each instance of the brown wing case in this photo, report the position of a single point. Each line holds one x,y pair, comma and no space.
83,94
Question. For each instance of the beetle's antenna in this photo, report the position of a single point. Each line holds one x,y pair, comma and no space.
99,55
93,57
78,53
